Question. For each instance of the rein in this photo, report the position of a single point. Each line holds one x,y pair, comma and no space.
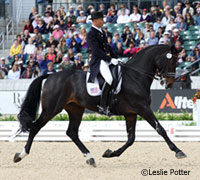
151,75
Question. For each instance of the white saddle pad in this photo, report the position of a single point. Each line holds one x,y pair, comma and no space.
93,89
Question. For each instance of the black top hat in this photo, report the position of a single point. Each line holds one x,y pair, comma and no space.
96,15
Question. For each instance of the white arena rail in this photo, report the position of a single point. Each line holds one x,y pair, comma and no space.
103,131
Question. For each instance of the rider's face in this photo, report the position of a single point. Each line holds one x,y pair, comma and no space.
99,22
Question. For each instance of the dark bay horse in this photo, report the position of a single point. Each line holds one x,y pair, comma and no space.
67,90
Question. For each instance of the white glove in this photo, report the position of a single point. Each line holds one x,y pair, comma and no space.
119,60
114,61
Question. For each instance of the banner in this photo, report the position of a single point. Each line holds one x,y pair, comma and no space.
172,101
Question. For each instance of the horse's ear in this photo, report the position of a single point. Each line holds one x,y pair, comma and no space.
173,49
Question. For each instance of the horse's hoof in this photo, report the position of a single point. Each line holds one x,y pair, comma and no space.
180,155
17,158
107,153
91,162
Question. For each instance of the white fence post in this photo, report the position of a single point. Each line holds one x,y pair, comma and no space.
196,112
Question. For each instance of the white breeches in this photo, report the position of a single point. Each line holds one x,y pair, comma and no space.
105,72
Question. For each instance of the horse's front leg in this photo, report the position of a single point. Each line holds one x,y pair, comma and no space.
151,119
130,128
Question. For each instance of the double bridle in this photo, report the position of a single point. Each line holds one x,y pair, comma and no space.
159,75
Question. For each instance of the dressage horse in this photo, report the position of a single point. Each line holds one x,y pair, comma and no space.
67,90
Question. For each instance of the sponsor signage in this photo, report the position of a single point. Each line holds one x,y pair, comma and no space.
172,101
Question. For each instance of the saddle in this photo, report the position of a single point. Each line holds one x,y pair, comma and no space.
95,89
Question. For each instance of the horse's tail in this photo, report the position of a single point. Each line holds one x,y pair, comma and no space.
31,103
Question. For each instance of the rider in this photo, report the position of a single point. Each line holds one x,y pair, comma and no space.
102,55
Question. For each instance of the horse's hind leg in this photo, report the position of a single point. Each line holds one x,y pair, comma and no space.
42,120
130,128
75,115
150,117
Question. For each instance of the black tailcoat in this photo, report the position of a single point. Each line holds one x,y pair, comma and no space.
98,45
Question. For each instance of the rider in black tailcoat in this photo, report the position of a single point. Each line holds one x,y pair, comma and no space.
97,42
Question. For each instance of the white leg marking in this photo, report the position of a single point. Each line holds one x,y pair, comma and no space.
23,154
88,156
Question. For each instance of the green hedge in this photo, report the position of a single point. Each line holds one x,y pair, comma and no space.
96,117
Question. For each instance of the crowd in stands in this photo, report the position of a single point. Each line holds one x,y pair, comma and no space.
56,40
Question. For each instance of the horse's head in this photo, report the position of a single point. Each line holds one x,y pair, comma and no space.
167,66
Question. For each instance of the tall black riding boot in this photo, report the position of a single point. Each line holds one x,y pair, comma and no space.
103,109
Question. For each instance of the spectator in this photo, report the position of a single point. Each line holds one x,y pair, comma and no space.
102,9
59,58
41,26
82,32
16,59
32,14
50,69
193,56
63,26
139,37
55,20
181,52
166,18
131,50
181,26
188,9
110,9
176,36
28,26
43,63
49,27
72,16
27,74
126,33
74,44
68,22
62,47
116,38
155,14
135,16
145,17
29,48
51,54
15,49
81,19
165,39
112,18
176,11
20,40
123,8
38,37
35,21
26,36
70,55
171,25
48,17
57,33
88,19
141,46
197,16
108,34
189,20
79,9
153,40
39,54
49,9
3,67
119,50
123,18
146,31
59,15
14,73
157,24
78,62
90,7
159,34
111,44
21,67
62,11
